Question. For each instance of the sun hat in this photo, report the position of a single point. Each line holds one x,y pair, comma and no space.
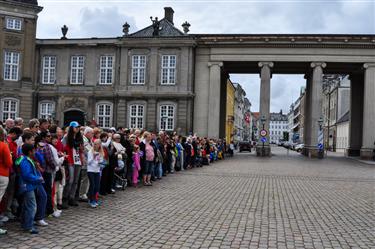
74,124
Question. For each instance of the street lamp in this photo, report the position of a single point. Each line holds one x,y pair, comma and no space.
320,138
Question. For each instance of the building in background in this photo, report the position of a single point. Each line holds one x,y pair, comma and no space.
278,126
335,104
239,107
229,125
247,123
295,118
342,138
255,127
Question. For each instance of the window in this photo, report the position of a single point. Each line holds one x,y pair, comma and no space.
138,69
136,116
9,109
77,66
49,69
167,117
106,70
11,65
13,23
104,115
168,70
46,109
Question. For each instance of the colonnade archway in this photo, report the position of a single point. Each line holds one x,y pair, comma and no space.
213,66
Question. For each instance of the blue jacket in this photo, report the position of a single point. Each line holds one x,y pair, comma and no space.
30,177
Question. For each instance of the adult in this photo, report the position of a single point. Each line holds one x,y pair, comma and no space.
88,135
75,151
43,146
5,166
43,124
34,126
9,124
148,159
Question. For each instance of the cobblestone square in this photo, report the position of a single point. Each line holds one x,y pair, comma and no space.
244,202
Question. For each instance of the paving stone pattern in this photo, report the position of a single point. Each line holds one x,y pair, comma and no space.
244,202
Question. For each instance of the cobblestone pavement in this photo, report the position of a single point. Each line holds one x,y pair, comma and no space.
244,202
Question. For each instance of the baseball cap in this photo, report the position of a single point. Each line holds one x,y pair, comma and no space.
74,124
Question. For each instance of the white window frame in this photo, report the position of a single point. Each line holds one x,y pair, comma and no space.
13,65
106,69
168,70
9,112
137,117
13,23
167,119
49,70
77,69
105,116
138,76
47,115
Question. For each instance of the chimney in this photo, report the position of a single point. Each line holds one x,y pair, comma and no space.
168,14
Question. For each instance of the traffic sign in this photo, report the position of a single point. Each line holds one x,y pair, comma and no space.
320,146
263,139
263,133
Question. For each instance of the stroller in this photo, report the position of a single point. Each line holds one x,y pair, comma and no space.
120,180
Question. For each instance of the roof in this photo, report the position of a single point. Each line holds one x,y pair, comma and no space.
344,118
33,2
167,29
278,117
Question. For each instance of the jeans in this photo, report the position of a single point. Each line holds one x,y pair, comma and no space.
28,210
71,185
84,183
148,167
158,171
94,179
48,181
41,203
3,185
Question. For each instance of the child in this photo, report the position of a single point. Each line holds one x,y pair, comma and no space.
30,186
59,183
95,158
136,164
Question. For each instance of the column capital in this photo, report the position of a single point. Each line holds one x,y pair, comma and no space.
318,64
367,65
265,63
215,63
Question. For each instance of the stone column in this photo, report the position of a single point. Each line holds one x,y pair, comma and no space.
264,108
368,137
314,109
356,115
214,99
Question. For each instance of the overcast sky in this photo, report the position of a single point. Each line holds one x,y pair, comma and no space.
104,18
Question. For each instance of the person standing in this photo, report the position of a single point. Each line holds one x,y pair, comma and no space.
32,190
148,159
5,166
95,157
75,151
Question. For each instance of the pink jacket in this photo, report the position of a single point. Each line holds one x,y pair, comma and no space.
137,160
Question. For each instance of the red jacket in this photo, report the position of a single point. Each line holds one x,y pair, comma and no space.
12,147
69,151
5,159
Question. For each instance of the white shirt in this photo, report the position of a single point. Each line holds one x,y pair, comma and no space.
93,161
58,160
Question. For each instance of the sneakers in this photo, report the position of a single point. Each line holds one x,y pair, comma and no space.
10,216
3,231
83,198
41,223
93,204
57,213
32,231
4,219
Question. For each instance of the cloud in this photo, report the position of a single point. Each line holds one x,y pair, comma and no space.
104,22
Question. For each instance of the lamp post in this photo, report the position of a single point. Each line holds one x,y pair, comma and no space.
263,120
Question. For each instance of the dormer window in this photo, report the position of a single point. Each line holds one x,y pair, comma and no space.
13,23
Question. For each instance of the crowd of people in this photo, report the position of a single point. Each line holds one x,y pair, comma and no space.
45,169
